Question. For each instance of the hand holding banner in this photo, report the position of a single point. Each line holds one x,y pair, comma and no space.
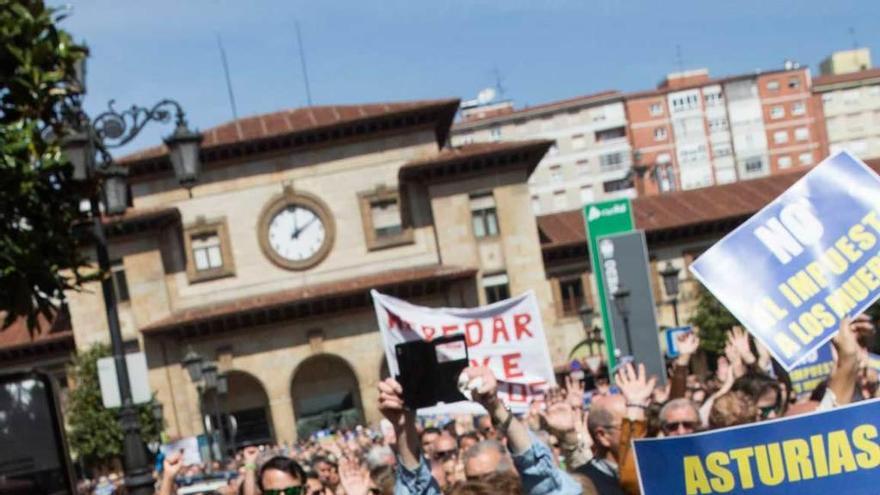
804,262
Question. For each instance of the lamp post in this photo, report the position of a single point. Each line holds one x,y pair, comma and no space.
591,331
86,145
207,380
621,303
670,283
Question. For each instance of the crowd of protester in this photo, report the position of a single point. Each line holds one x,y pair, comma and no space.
578,440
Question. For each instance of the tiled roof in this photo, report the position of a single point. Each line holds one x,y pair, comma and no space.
553,105
667,213
841,79
474,150
238,307
293,121
17,336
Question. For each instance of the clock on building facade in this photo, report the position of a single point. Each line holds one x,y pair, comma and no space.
296,230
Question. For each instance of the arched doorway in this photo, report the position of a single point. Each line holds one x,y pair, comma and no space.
248,404
325,394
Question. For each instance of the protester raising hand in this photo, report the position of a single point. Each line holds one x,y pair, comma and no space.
739,339
574,392
636,388
688,343
171,467
250,455
845,373
354,477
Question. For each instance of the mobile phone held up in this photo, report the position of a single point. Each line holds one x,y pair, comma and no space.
429,371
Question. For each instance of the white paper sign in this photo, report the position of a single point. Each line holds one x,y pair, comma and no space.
136,362
507,336
190,448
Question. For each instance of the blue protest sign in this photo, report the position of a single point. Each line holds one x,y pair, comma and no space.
672,335
813,370
811,454
804,262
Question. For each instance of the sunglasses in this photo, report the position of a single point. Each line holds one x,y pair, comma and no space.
675,425
374,491
442,455
290,490
766,411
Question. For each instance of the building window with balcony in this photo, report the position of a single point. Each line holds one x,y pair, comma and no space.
208,250
801,134
120,283
777,112
609,134
659,133
617,185
717,125
571,295
754,164
382,220
656,109
713,99
610,161
773,85
798,108
780,137
496,287
484,215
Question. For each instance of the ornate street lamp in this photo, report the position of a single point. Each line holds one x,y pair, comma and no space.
670,283
115,190
222,384
192,362
209,375
183,148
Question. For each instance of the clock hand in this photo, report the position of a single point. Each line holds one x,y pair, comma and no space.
295,229
304,227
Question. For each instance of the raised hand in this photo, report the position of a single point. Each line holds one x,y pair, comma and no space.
486,392
560,418
391,400
635,385
354,477
172,465
688,343
574,392
250,454
739,339
847,339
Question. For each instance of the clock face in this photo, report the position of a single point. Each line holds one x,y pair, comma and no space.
296,233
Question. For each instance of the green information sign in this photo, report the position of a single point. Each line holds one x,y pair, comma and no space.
606,218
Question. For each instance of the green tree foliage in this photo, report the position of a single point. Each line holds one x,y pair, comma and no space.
93,431
713,319
40,251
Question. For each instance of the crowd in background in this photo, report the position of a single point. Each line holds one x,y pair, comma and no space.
577,440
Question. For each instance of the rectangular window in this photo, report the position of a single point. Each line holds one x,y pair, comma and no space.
206,251
587,195
583,167
656,109
120,283
617,185
609,134
717,125
754,165
385,214
784,161
773,85
659,133
578,142
483,215
496,287
495,133
780,137
610,161
721,150
802,134
805,158
713,99
777,112
382,219
556,173
559,200
571,291
798,108
794,82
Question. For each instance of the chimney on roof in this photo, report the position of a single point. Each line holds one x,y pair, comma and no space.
685,78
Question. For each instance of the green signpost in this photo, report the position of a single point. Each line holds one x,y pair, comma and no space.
606,218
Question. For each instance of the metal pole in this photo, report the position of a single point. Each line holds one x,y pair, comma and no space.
221,442
675,310
138,471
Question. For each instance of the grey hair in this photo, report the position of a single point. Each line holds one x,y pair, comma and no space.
380,455
600,417
681,403
505,465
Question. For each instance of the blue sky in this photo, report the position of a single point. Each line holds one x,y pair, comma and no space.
382,50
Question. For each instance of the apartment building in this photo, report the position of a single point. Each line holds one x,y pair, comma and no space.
851,103
694,131
590,160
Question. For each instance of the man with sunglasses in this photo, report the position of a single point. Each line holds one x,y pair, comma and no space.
679,417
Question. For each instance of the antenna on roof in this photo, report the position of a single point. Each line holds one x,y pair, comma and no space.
498,79
228,79
679,60
302,61
852,33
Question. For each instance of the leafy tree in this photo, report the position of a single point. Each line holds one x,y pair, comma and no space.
94,432
713,319
40,251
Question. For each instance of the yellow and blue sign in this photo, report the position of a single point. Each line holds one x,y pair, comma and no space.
812,371
836,451
804,262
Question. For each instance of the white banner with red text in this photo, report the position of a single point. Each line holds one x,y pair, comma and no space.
506,336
